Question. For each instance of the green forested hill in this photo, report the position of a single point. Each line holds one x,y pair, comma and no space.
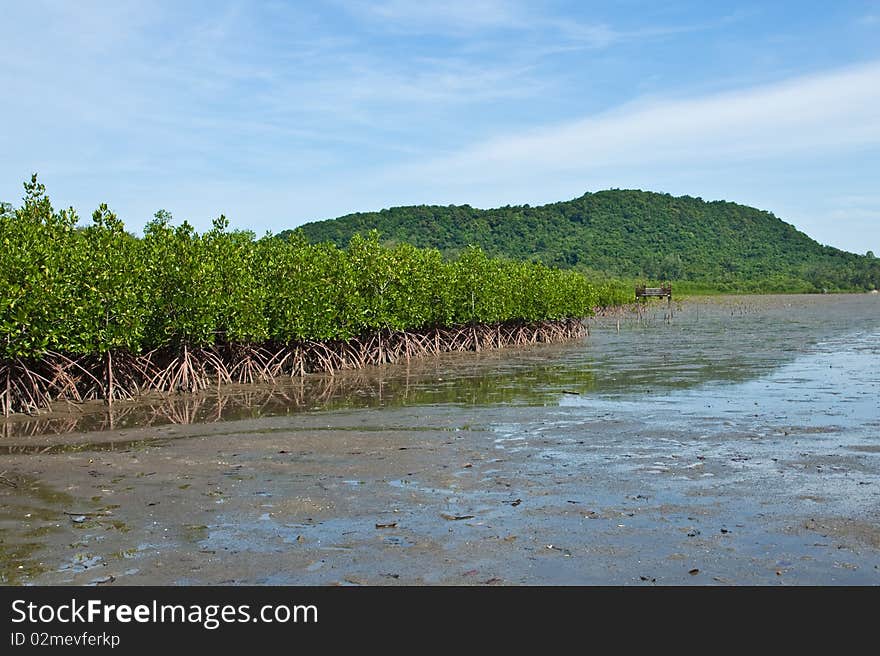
630,234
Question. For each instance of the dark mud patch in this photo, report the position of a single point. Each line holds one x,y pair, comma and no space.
75,447
30,513
865,448
849,533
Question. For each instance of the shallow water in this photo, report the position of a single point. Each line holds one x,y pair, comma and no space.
739,436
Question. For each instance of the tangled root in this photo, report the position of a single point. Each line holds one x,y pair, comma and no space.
29,386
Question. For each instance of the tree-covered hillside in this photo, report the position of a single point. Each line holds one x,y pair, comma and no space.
631,234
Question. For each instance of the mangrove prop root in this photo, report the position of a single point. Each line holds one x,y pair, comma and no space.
29,386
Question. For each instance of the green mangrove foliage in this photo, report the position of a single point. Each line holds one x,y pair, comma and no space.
96,312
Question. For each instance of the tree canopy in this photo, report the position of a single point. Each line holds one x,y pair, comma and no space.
629,234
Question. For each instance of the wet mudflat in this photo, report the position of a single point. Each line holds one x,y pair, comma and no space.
733,440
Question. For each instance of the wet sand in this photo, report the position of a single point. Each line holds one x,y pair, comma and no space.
722,441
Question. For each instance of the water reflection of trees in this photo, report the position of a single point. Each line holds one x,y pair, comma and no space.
473,384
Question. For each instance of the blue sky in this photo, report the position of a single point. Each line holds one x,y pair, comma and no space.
276,113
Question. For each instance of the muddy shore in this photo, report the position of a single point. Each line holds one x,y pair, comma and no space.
722,441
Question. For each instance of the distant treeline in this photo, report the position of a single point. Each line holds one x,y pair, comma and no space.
85,309
628,234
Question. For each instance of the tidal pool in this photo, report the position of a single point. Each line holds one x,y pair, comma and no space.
725,440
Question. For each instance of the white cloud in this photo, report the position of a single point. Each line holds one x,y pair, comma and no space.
805,116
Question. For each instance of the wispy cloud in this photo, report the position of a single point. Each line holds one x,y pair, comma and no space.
477,20
461,16
544,31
